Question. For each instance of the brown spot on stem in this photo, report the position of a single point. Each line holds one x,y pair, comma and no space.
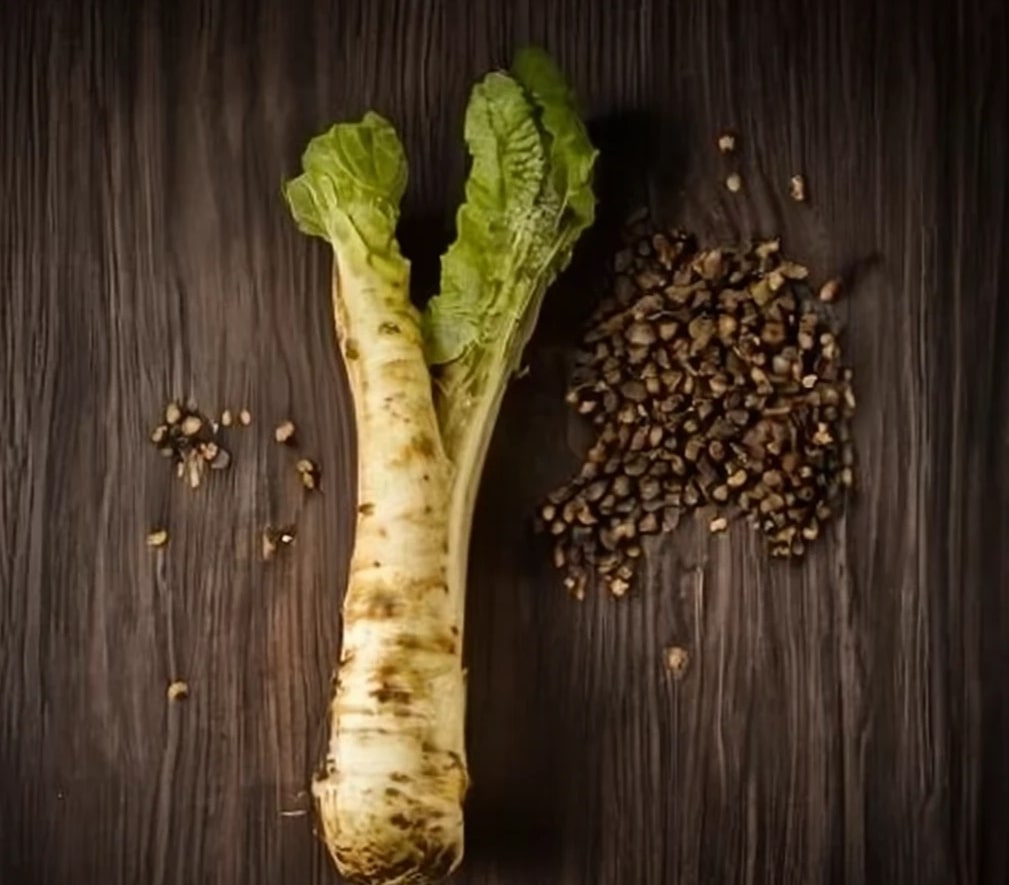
392,792
399,778
400,821
385,693
423,445
350,349
388,328
366,509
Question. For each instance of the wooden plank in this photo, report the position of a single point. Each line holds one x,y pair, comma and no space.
843,721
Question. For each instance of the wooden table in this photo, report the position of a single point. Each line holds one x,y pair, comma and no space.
842,721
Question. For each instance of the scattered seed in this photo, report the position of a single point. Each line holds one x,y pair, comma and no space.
226,418
245,417
726,142
308,471
173,413
178,691
677,661
284,432
157,538
619,586
797,188
734,182
719,524
830,290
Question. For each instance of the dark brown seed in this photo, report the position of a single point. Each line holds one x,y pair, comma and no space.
670,519
648,280
636,466
641,334
667,330
737,479
649,488
693,448
621,486
635,391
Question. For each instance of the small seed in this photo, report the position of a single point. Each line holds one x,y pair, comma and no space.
809,381
726,142
157,538
794,271
649,489
195,470
734,182
636,466
648,524
308,470
668,330
245,417
635,391
830,290
226,418
677,661
640,334
159,434
173,413
737,479
727,326
178,691
284,432
560,560
191,425
797,188
618,587
719,524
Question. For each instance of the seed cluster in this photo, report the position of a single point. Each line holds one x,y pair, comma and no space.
713,378
191,441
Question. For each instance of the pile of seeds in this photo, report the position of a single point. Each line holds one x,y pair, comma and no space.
191,441
714,380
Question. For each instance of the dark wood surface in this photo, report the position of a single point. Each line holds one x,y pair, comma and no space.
842,721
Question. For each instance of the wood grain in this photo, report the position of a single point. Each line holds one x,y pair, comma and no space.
843,721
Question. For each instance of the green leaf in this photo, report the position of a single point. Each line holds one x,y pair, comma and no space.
529,197
349,192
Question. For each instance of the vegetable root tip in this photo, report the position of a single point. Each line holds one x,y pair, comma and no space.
379,848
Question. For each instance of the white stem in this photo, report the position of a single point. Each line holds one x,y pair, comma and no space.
390,801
